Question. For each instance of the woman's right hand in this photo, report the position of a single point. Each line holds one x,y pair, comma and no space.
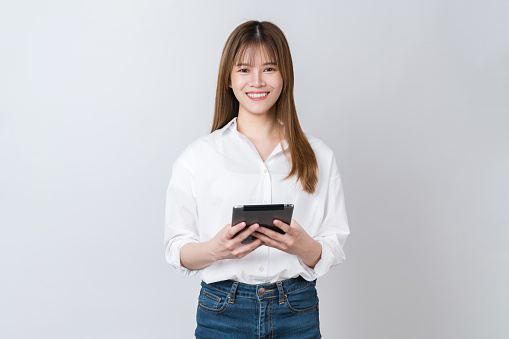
197,255
225,245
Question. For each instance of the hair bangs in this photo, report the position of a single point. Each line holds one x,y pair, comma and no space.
248,51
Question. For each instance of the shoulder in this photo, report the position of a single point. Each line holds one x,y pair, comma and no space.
327,165
196,149
320,148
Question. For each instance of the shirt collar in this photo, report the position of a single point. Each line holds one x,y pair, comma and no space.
232,126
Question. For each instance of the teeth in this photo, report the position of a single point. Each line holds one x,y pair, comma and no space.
257,95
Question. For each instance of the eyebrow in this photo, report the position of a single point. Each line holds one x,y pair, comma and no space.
271,63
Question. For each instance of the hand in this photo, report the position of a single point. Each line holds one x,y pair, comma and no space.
295,241
225,246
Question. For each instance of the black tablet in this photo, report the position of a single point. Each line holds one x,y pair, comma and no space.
264,215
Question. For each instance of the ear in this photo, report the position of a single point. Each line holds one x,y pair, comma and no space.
230,83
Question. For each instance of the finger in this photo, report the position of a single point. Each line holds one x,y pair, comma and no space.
284,227
253,245
261,243
269,241
271,234
244,249
243,235
235,229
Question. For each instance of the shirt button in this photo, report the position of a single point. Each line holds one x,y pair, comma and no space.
261,269
265,171
265,202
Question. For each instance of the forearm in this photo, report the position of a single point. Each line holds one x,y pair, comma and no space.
196,255
224,245
311,253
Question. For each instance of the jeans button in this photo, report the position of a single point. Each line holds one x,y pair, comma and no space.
261,291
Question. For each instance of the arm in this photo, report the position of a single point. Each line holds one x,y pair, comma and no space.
181,224
184,250
295,241
325,248
334,229
197,255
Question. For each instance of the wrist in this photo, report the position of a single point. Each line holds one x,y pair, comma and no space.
312,253
210,250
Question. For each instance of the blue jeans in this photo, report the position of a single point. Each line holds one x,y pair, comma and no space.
285,309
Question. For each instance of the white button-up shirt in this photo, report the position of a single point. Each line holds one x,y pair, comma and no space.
224,169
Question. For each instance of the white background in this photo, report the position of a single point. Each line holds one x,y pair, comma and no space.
97,98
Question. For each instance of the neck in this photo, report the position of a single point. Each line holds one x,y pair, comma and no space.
258,126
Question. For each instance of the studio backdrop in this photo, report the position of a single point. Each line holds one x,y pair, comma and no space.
98,98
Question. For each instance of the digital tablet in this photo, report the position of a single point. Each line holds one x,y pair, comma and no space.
264,215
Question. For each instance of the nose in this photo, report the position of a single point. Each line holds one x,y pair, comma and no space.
257,79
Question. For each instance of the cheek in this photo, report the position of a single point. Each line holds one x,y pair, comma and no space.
239,95
279,89
237,84
278,84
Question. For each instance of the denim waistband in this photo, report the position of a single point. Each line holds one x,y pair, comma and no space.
279,289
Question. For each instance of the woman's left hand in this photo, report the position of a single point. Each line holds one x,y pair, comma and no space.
295,241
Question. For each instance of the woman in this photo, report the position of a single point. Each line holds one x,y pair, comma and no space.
256,154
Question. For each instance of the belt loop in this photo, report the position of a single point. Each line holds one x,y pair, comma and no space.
281,292
232,292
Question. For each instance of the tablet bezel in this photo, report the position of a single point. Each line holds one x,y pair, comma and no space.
264,215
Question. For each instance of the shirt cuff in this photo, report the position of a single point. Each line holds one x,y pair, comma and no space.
328,258
173,257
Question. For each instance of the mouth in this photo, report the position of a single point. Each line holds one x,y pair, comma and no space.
257,95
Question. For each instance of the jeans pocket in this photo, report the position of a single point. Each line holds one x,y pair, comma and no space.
302,300
212,300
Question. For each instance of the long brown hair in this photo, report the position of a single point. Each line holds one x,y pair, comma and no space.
269,38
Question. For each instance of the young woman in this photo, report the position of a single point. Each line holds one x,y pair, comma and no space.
256,154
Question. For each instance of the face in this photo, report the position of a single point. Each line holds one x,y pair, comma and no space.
257,84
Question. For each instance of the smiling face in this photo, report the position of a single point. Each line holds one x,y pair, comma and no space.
256,83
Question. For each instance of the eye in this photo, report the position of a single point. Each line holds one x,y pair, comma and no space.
270,69
243,70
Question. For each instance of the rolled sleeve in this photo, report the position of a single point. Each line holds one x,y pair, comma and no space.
334,229
181,222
